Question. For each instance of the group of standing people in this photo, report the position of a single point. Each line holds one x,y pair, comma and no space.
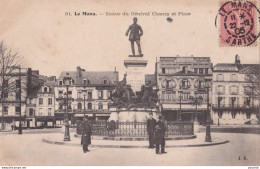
156,132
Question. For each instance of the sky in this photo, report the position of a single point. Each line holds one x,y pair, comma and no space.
51,41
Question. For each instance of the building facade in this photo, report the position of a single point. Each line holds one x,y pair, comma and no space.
232,95
88,92
179,79
14,103
40,102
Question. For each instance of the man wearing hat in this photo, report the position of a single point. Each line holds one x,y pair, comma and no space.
160,130
86,132
150,129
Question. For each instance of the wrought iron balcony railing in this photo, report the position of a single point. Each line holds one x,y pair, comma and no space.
235,106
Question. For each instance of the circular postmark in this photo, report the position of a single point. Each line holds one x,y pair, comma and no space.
238,21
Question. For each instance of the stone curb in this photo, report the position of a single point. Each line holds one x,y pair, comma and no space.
137,138
128,146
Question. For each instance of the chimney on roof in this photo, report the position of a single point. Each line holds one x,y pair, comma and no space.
237,60
78,72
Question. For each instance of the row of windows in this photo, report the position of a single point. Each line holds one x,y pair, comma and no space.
185,70
220,77
185,84
88,95
234,101
17,110
171,96
17,95
233,114
80,106
233,77
40,113
17,83
233,90
41,101
85,82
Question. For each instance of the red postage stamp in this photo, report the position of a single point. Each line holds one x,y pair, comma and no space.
238,22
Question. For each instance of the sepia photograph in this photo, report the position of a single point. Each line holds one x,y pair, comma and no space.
129,83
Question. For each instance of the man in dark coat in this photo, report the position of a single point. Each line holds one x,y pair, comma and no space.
150,129
160,130
86,132
135,33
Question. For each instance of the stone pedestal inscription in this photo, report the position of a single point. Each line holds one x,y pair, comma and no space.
135,67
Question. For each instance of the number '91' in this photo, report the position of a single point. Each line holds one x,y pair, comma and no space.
67,14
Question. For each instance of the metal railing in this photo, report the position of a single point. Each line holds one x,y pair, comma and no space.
234,106
135,129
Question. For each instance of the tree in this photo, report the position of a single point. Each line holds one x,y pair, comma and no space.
252,88
9,64
253,85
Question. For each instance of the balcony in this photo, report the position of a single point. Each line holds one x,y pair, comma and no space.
101,111
185,87
234,107
81,99
177,101
98,111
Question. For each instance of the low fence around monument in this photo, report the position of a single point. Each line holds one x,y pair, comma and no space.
135,129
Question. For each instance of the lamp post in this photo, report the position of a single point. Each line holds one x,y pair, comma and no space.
208,136
219,100
180,96
197,100
66,81
20,101
84,96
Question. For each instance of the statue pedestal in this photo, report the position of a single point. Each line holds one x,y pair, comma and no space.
135,67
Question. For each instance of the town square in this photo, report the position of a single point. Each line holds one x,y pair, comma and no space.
129,88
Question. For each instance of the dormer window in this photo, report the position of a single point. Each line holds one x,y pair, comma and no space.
105,81
45,89
86,82
185,69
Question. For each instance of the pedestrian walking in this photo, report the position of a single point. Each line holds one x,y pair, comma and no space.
151,122
86,134
160,130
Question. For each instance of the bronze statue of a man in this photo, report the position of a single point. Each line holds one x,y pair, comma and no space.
136,32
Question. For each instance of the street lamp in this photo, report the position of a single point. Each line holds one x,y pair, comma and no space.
219,113
84,96
180,96
197,100
66,82
208,136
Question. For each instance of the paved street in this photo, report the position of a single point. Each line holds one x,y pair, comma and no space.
28,149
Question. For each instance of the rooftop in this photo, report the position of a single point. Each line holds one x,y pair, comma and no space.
95,78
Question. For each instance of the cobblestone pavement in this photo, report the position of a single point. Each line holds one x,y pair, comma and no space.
28,149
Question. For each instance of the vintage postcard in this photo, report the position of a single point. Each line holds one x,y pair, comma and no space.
129,83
